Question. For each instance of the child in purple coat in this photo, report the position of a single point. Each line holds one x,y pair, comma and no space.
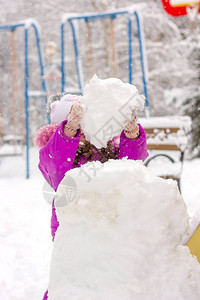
67,148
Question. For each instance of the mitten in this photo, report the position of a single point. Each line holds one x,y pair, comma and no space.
74,117
132,129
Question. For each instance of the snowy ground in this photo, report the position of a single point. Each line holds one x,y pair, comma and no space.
25,247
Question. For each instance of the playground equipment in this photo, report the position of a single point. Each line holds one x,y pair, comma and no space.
12,143
163,134
26,25
73,20
52,68
177,8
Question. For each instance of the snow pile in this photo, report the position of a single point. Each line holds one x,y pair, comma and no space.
120,239
108,105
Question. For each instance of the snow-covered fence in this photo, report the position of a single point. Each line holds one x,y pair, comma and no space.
167,136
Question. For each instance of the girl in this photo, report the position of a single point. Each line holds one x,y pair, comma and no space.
67,148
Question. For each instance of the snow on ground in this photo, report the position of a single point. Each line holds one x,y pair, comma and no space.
190,185
25,240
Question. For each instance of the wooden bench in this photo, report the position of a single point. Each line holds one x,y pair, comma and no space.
167,137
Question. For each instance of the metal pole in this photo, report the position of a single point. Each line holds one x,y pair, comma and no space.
13,79
12,27
98,15
142,59
44,98
90,61
114,52
26,100
76,57
130,47
62,58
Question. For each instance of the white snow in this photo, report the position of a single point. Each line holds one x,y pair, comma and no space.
162,166
25,239
32,21
35,93
167,121
67,16
6,150
179,138
120,239
108,105
25,245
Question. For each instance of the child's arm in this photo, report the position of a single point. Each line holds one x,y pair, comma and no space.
134,149
57,157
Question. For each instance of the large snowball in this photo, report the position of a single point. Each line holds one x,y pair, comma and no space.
108,104
119,238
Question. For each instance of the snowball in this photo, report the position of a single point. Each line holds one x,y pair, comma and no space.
108,105
119,238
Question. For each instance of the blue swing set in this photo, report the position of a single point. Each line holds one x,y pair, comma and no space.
27,93
92,17
71,19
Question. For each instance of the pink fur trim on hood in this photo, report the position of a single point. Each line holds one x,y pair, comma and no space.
43,135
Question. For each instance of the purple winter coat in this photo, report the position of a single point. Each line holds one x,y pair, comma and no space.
57,157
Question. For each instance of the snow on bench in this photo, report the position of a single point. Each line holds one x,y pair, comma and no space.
164,136
167,133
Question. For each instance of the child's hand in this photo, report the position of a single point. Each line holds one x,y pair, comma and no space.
75,116
132,129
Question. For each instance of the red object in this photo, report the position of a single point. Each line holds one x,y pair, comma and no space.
174,11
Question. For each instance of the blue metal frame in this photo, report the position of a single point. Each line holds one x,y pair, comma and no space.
12,27
76,56
90,17
26,100
62,57
142,58
130,47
